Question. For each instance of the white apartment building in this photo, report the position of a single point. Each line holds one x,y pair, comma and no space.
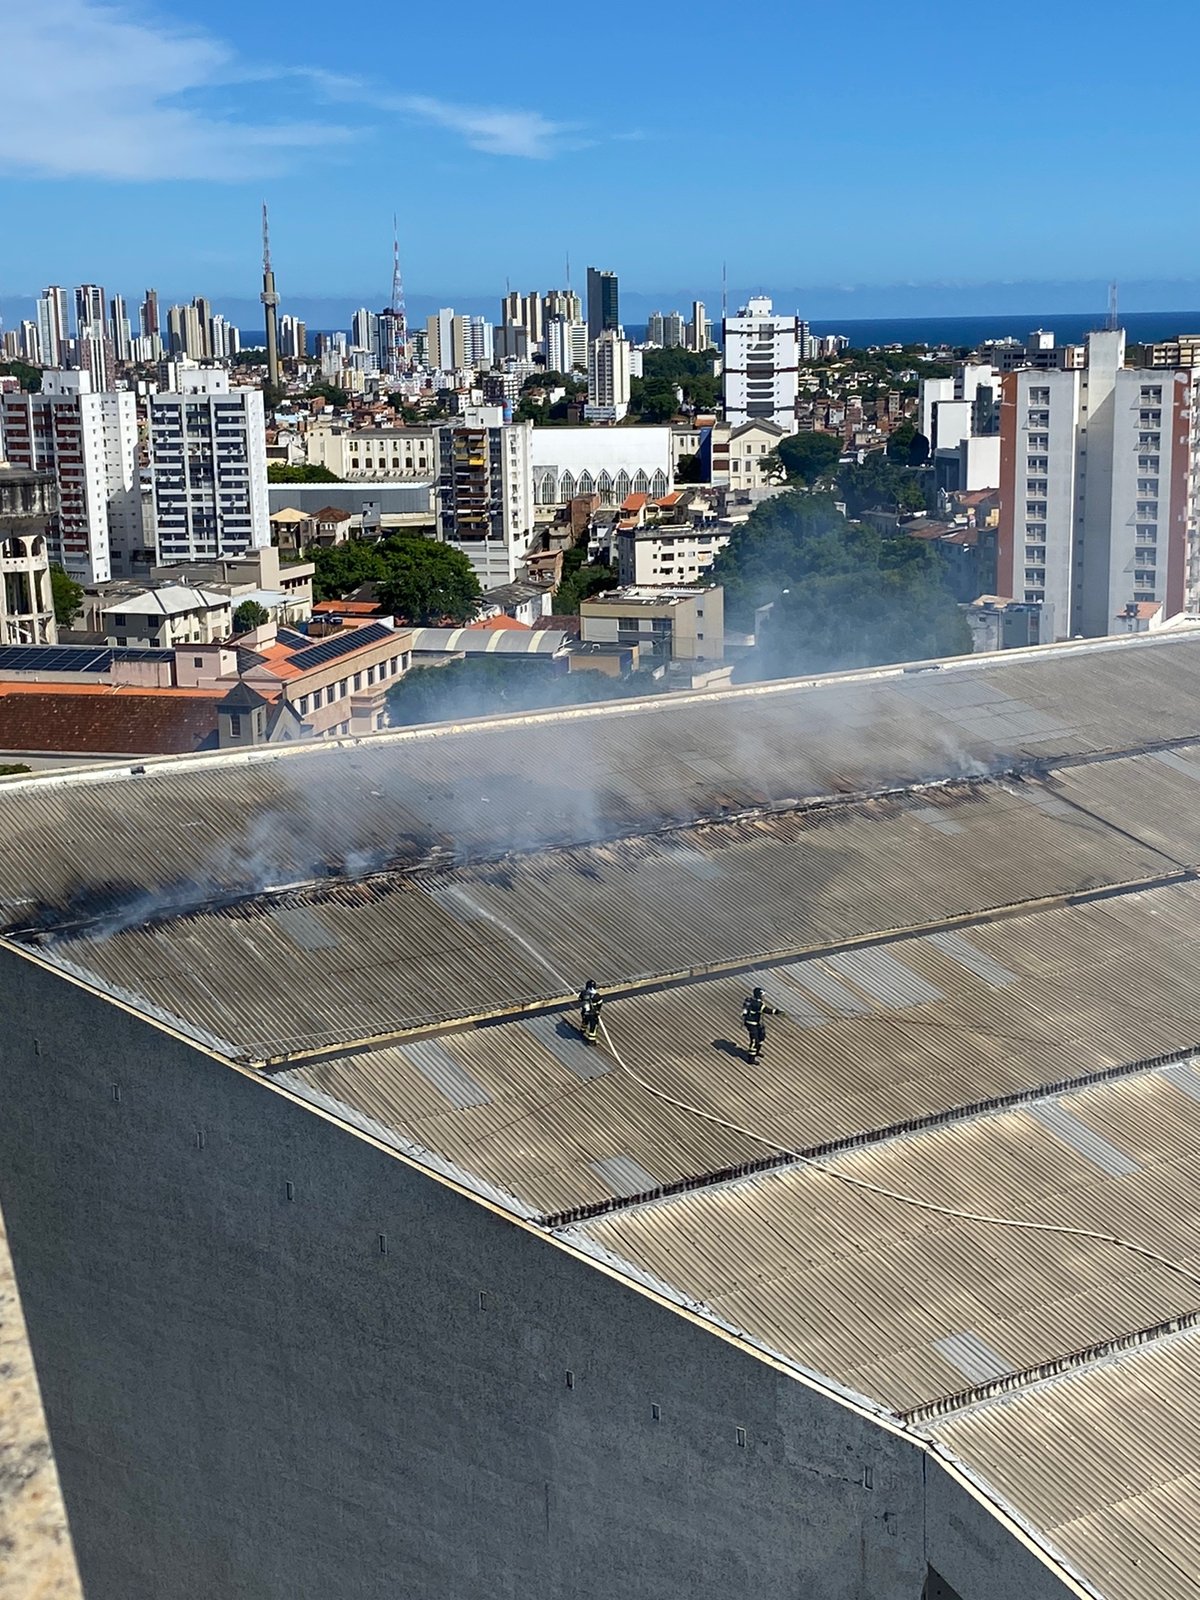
1096,465
449,341
608,379
208,462
566,345
89,441
762,359
485,492
662,553
54,327
608,462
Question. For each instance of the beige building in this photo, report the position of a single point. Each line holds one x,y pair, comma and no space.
371,452
668,553
752,462
28,502
664,625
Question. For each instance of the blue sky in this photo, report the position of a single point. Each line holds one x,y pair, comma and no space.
874,152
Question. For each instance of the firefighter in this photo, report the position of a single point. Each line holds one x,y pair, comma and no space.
754,1009
590,1001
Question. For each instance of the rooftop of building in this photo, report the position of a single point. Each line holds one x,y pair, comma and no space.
171,600
956,1193
105,719
635,595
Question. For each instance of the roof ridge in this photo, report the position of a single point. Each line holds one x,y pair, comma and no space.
1044,1371
868,1137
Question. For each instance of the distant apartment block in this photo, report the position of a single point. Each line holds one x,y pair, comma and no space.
485,492
1096,468
608,379
664,625
762,359
603,303
88,440
208,461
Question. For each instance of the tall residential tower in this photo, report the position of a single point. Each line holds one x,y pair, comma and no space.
270,300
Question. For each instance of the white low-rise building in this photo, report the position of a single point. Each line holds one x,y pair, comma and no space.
668,553
175,614
609,462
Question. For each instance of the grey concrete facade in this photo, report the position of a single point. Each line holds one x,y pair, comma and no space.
279,1361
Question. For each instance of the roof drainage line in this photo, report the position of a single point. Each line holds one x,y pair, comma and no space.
860,1141
657,983
1058,1367
1116,1241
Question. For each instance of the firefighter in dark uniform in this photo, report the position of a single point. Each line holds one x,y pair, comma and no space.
754,1009
590,1001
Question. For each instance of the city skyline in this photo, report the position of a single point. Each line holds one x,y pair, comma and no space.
201,129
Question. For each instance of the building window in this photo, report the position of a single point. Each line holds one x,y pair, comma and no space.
197,661
235,724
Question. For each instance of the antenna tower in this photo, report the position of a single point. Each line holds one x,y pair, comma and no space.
399,314
270,302
1113,320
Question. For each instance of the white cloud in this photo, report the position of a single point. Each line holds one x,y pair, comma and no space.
495,131
93,90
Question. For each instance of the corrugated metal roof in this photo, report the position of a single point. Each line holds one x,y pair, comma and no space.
1092,987
532,927
869,1290
1105,1463
580,774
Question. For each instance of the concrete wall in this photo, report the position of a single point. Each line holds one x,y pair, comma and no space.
269,1374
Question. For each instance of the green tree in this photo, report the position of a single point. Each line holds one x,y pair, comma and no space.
9,769
30,378
906,447
805,457
427,583
249,615
330,392
280,472
875,483
581,580
67,596
689,470
844,594
342,568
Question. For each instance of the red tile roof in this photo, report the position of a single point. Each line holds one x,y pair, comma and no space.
634,502
496,623
99,719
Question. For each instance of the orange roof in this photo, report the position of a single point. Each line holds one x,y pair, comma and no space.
108,689
626,523
1144,610
634,502
669,499
496,623
356,608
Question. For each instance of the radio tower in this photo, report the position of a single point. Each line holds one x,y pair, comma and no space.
270,302
397,344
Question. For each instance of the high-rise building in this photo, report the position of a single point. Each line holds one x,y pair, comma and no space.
608,379
480,343
88,439
449,341
654,328
563,303
184,333
566,345
119,324
208,463
699,329
673,330
148,314
603,303
524,311
762,357
204,313
364,329
1095,469
89,306
31,343
54,330
485,498
293,338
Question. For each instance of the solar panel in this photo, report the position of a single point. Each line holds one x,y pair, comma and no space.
340,644
54,658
